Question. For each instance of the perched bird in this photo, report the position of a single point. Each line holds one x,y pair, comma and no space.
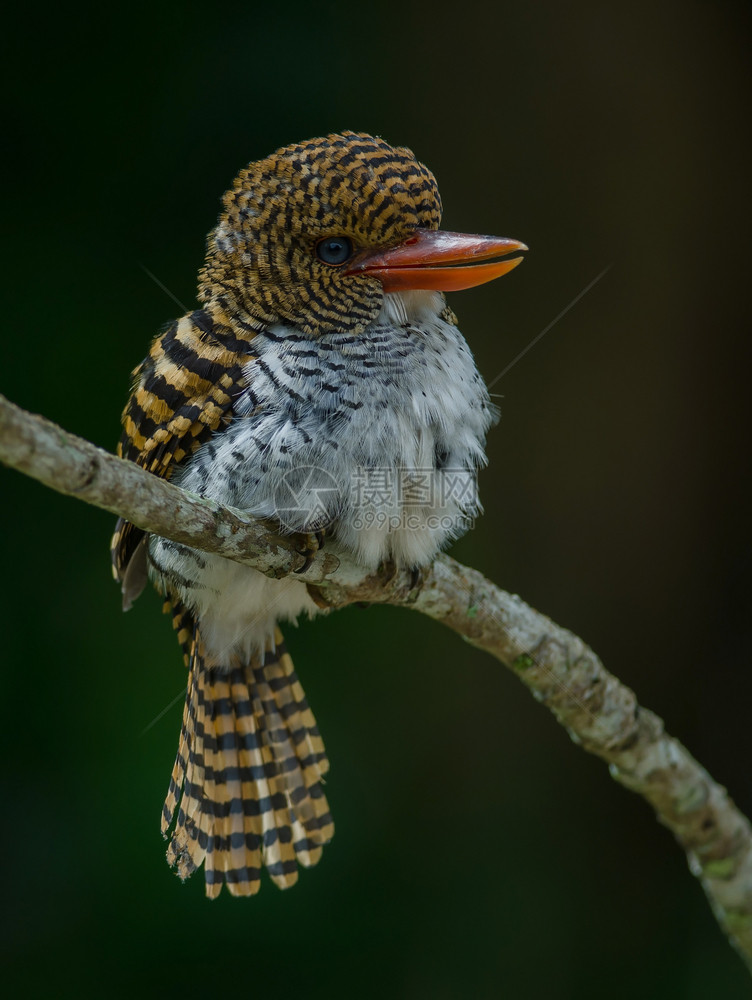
322,383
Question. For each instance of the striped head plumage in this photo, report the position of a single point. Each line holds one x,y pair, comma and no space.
292,222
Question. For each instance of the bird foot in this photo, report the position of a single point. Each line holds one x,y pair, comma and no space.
417,577
309,543
318,597
388,572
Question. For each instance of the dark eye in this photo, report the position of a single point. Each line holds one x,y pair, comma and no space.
334,250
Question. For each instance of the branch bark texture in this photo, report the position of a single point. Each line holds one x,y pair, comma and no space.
600,713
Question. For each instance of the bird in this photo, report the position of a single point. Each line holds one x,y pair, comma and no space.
322,384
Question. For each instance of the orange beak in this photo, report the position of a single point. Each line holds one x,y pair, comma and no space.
438,261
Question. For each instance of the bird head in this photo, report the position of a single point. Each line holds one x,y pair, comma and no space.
315,234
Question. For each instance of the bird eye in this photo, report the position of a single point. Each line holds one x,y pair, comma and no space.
334,250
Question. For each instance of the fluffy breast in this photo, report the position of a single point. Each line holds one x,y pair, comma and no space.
376,437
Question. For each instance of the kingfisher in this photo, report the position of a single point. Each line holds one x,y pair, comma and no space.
322,383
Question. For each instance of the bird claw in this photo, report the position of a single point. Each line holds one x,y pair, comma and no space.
417,576
318,597
310,543
387,571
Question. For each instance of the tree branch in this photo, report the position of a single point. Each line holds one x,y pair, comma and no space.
598,712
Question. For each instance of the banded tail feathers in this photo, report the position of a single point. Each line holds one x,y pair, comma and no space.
246,788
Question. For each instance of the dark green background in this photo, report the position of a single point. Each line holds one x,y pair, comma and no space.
478,852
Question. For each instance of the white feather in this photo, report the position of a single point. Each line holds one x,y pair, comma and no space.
389,400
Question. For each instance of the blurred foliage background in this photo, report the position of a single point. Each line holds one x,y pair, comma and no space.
478,852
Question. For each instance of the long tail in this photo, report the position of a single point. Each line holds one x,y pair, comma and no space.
246,789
